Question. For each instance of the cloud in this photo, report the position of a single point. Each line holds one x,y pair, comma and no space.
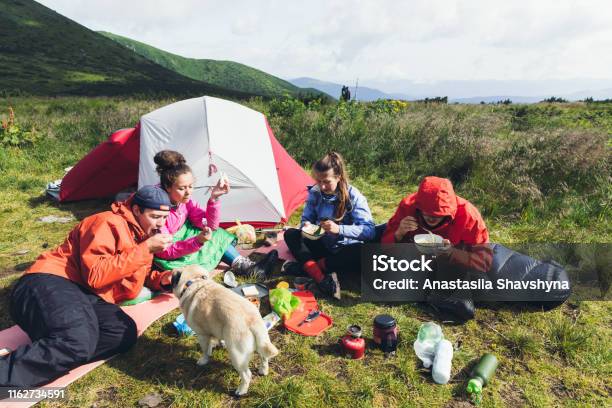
340,40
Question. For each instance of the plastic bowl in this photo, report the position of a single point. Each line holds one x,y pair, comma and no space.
428,243
312,232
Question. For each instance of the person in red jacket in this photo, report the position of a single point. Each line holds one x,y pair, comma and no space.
66,301
435,207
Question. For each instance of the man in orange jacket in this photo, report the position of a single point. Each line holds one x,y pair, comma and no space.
67,300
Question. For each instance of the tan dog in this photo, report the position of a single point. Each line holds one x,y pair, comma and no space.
217,313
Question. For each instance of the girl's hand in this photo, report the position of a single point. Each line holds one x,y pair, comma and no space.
222,187
205,235
330,226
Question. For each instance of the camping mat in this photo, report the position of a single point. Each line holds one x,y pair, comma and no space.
144,314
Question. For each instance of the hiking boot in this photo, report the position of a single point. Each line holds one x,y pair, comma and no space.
293,268
255,270
328,286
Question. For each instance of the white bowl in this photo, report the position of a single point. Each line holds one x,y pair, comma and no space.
310,232
429,243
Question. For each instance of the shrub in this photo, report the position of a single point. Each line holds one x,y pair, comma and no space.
567,339
11,134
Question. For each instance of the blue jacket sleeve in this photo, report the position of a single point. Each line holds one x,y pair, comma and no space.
310,211
362,228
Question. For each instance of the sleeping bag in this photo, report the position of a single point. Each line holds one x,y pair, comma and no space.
513,277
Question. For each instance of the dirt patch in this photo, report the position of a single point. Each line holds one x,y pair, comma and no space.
284,370
105,397
458,404
17,270
340,368
513,396
561,391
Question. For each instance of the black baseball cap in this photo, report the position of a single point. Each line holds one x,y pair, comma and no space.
153,197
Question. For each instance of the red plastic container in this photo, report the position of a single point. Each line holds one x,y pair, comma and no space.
308,303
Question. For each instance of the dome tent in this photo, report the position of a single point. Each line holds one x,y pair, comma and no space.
216,136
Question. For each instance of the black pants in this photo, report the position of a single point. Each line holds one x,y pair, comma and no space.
346,260
68,326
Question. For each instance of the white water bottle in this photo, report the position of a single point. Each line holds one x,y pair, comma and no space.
428,337
442,363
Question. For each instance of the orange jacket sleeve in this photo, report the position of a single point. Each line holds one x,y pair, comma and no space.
102,264
388,236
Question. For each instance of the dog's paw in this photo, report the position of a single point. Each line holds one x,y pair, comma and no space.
239,394
263,370
203,361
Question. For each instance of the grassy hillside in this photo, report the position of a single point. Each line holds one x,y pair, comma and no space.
44,53
225,74
537,173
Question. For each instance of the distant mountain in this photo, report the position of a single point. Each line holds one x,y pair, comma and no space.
497,98
225,74
334,89
45,53
463,91
488,90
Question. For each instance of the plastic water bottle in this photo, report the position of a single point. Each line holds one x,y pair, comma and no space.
429,336
442,363
480,376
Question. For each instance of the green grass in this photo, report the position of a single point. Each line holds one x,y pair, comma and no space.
556,358
225,74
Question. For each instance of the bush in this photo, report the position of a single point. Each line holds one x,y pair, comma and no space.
503,158
11,134
567,339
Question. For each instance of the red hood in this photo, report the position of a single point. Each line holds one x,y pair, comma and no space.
124,209
436,197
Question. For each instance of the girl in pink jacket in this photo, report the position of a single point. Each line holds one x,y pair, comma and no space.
197,236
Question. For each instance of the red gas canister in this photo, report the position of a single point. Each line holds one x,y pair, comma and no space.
352,343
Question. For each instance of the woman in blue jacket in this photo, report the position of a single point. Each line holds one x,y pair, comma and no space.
343,214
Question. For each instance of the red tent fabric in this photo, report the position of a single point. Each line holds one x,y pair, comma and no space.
109,168
291,177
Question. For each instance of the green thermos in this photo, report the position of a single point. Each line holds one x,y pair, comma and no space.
481,375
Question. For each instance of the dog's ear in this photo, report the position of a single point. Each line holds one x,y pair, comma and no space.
176,277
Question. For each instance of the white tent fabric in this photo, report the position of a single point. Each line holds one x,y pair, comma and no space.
235,137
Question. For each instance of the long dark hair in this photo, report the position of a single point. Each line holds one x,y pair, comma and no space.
170,165
334,161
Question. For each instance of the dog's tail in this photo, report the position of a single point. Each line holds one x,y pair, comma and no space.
264,346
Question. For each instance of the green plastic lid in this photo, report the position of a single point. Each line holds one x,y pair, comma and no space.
474,386
474,389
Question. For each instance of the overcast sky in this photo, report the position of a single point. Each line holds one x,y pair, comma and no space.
422,40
